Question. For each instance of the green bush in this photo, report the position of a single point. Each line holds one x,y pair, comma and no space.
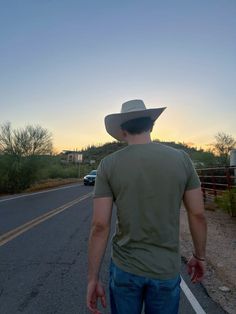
58,171
227,201
17,173
54,169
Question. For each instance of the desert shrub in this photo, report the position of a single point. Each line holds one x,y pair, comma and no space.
17,173
227,201
59,171
52,168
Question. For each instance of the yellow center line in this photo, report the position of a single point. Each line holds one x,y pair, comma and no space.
10,235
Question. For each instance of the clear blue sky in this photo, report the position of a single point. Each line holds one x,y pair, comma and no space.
66,64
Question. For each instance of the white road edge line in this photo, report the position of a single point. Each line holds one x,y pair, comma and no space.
191,298
189,295
41,192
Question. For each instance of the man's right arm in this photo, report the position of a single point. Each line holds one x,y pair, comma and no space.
194,205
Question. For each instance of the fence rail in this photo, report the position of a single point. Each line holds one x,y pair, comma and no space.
215,181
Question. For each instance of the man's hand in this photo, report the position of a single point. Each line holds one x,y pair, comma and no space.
94,292
98,238
196,269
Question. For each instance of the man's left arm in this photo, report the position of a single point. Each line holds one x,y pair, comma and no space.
100,229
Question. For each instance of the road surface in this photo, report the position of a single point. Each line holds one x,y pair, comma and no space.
43,255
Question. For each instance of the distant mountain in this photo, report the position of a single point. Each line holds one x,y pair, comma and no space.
200,157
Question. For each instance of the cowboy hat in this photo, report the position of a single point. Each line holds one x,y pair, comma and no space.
130,110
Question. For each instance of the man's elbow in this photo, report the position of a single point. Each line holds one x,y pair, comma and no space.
199,217
99,229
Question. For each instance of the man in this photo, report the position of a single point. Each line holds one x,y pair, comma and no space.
147,181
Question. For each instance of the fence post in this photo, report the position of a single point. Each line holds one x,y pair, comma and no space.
204,193
233,163
214,185
231,200
203,187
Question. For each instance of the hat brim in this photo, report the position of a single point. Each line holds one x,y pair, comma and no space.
114,121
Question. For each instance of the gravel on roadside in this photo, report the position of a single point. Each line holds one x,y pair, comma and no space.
220,279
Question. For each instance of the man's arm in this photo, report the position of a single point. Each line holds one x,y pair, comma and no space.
194,205
100,229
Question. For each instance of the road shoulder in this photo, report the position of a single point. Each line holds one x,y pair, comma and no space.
221,256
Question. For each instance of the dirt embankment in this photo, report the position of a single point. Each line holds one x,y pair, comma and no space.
52,183
221,256
48,184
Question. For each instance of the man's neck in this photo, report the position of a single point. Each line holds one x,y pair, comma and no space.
144,138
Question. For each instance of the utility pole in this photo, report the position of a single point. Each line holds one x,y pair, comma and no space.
80,159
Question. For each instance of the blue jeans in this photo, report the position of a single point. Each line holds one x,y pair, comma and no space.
128,293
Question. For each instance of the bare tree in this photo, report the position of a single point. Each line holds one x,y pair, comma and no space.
28,141
223,145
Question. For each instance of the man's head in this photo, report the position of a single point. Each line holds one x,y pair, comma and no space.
134,119
137,126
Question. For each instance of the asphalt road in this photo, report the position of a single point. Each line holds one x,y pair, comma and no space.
43,267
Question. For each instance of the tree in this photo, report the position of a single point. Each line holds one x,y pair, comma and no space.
203,158
30,141
20,149
223,145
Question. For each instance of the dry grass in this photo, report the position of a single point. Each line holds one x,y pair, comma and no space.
51,183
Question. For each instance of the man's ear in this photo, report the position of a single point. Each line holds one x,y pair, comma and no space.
125,133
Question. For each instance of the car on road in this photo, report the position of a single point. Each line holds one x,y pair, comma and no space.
90,178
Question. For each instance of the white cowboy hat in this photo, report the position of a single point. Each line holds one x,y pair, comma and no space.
130,110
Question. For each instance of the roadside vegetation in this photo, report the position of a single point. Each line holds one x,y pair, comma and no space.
27,161
227,202
18,174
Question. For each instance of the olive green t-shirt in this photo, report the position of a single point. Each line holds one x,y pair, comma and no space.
147,183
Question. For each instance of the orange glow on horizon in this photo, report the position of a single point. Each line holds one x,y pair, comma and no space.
84,143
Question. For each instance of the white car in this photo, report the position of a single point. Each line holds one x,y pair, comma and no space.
90,178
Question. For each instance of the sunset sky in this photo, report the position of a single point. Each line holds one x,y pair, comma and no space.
65,64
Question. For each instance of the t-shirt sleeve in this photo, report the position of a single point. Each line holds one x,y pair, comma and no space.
102,186
193,181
